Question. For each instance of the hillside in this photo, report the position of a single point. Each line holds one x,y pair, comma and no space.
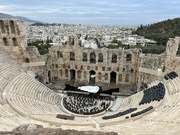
2,15
160,31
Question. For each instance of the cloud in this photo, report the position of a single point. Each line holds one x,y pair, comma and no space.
4,7
93,11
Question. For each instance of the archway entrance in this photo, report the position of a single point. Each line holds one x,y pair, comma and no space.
27,60
113,77
92,77
49,76
73,74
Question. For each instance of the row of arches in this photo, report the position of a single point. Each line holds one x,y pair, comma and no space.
6,42
82,67
5,28
92,57
94,77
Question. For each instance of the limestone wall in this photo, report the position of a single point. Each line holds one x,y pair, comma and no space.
172,61
13,38
109,66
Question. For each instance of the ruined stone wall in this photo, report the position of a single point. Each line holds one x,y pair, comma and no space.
166,62
172,61
75,65
151,61
33,56
13,38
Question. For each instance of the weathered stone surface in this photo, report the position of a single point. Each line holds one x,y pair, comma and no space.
111,68
27,127
48,131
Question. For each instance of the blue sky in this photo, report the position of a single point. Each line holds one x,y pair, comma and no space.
106,12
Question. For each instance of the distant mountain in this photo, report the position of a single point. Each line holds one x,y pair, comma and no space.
2,15
160,31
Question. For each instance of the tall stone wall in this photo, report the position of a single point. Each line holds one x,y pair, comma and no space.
153,62
172,61
111,68
13,38
166,62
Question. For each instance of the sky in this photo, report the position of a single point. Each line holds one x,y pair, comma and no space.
95,12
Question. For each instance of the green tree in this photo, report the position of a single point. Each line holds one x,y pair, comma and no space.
41,45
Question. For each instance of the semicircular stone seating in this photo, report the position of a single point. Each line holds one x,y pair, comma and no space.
24,100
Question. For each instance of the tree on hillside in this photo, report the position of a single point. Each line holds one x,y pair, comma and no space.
160,31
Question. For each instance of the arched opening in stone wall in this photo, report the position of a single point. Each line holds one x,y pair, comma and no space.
7,29
128,57
71,40
60,71
127,78
84,57
5,42
100,57
92,58
79,74
15,42
56,66
99,76
132,70
27,60
163,69
59,54
114,58
72,56
72,74
66,73
49,76
85,75
92,75
18,31
12,27
52,66
106,76
113,77
2,27
120,77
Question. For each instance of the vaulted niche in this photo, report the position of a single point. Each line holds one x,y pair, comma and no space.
92,58
100,57
128,57
12,27
84,57
73,74
72,56
2,27
92,75
114,58
113,77
15,43
5,42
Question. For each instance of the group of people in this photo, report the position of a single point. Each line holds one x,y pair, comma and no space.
86,104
